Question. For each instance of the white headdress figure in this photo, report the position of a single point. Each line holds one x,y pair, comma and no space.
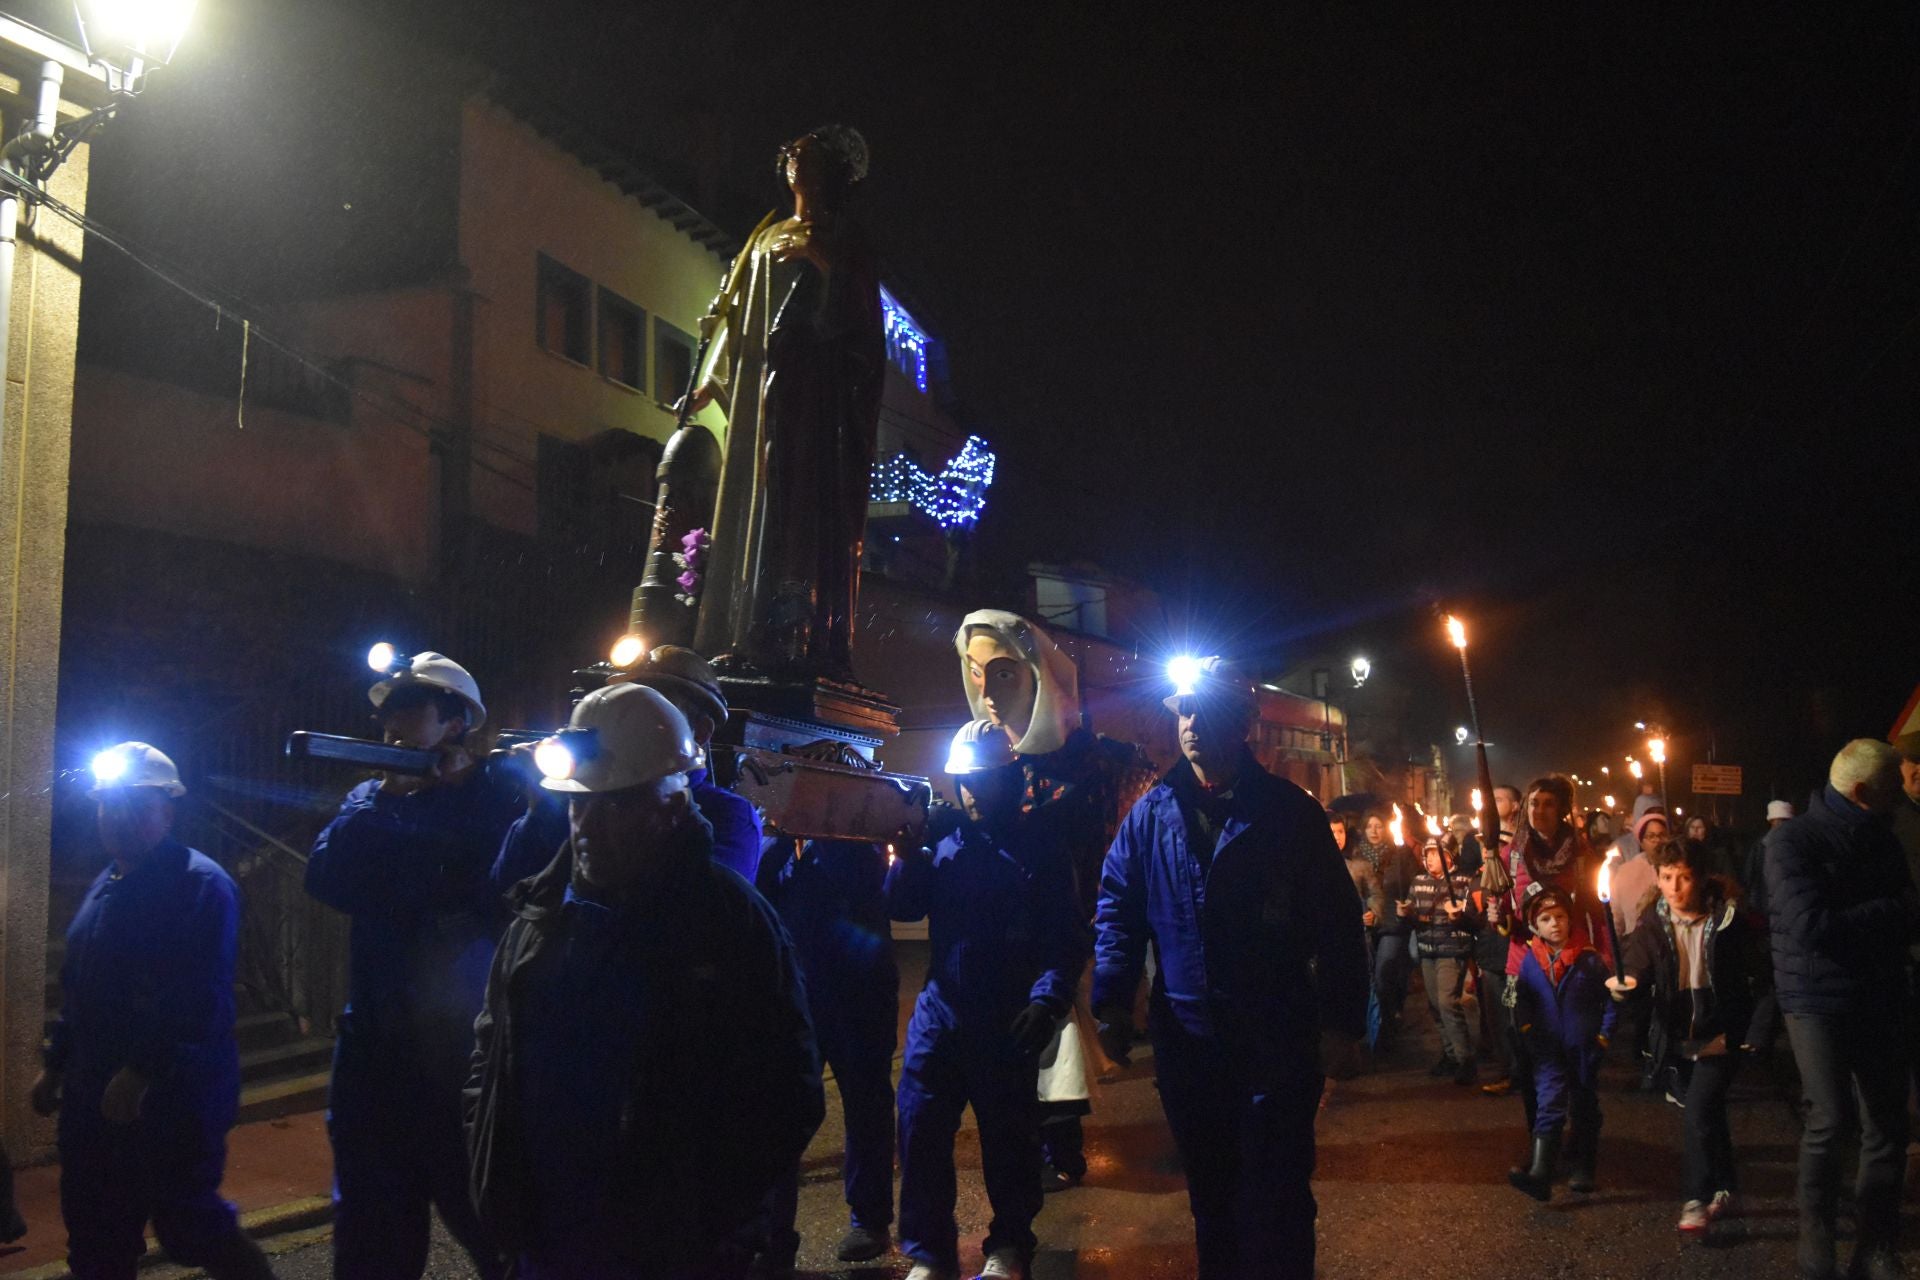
1018,678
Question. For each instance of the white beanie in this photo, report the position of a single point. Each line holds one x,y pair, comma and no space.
1778,810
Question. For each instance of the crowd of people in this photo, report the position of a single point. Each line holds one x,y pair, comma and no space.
1709,948
591,998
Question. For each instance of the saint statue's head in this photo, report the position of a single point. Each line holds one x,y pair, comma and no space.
824,163
1016,677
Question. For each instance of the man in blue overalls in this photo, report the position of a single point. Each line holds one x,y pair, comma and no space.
1234,877
1008,944
142,1063
408,859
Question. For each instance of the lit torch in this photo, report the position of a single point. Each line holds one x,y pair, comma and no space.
1457,635
1606,910
1397,828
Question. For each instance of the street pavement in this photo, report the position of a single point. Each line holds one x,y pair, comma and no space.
1412,1184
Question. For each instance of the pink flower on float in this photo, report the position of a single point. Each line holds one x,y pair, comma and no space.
689,581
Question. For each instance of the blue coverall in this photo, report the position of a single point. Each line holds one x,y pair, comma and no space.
1256,930
1558,1021
831,898
1006,931
148,983
413,873
537,836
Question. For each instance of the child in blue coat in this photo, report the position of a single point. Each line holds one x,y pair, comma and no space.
1564,1013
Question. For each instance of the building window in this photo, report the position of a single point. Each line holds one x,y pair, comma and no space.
621,328
561,489
672,361
561,320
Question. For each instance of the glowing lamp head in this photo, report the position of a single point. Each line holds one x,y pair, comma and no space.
1461,735
1185,672
110,766
384,658
555,760
129,36
1657,748
1456,632
627,650
1361,670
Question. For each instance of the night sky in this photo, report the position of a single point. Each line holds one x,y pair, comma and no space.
1601,328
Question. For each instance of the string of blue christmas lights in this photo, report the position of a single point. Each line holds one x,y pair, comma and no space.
907,342
954,497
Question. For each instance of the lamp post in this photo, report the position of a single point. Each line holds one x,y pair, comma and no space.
126,39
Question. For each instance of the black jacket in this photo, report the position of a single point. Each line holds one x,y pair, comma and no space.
725,1092
1681,1021
1842,906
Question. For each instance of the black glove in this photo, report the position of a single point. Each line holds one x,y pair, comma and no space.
1116,1034
1032,1028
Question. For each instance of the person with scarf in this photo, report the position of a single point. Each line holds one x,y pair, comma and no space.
1565,1017
1073,786
1548,850
1395,866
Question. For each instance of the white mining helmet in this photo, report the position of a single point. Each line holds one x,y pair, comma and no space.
433,669
620,736
135,764
977,747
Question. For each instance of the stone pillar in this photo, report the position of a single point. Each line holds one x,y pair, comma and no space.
33,531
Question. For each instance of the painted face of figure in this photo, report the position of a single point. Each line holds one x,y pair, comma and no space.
1552,924
1004,682
806,166
1680,889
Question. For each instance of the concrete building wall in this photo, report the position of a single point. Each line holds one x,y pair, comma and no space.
522,196
33,521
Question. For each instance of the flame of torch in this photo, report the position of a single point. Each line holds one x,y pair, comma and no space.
1433,826
1657,748
1606,876
1633,767
1606,913
1397,828
1456,632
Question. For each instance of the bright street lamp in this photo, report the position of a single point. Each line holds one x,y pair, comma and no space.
1361,669
131,37
1461,735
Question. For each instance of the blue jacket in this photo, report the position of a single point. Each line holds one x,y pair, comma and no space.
1570,1014
540,832
1260,942
1841,904
832,899
148,983
412,872
1003,919
642,1075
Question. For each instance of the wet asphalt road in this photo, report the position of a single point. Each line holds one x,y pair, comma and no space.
1411,1183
